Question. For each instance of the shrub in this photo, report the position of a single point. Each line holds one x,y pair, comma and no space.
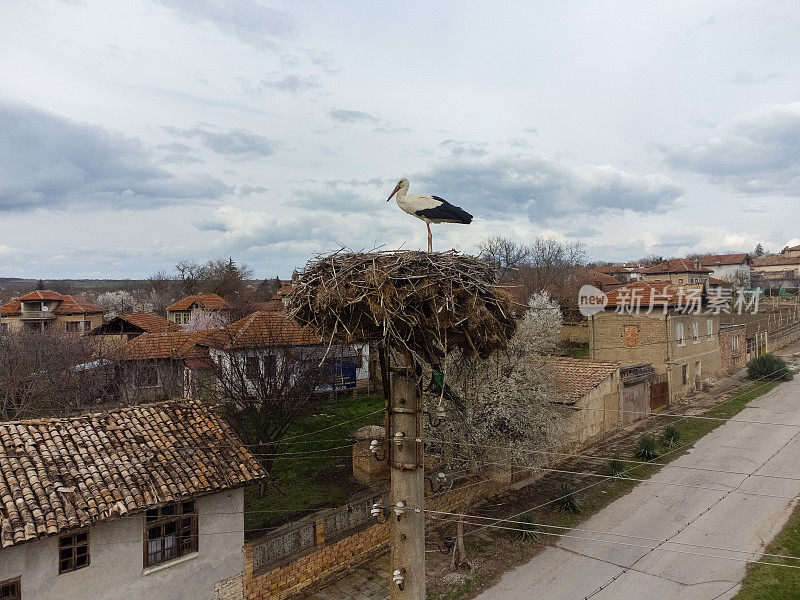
769,367
672,436
526,529
568,501
616,465
647,449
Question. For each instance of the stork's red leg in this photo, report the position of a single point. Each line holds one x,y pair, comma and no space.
430,237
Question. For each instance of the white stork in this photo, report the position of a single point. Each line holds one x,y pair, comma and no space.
430,209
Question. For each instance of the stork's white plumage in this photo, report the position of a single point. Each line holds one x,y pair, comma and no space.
430,209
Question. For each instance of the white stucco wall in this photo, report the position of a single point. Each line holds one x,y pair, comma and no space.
727,271
116,571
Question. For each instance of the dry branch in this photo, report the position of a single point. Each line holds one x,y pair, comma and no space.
428,303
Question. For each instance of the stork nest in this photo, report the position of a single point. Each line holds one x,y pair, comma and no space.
427,303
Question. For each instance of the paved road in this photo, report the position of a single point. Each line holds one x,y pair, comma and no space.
575,569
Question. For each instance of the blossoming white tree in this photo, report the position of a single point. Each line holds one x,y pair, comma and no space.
498,410
201,320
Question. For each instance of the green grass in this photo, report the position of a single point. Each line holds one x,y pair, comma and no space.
320,480
577,350
765,582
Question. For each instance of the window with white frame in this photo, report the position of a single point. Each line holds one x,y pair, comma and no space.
679,333
709,328
695,333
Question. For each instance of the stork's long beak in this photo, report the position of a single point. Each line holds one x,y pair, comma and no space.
397,187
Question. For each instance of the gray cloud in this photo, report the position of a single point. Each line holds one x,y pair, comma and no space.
461,148
582,232
351,116
249,21
751,77
758,154
678,240
246,190
293,84
236,144
47,160
542,189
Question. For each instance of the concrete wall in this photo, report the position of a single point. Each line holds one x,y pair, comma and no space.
741,272
116,571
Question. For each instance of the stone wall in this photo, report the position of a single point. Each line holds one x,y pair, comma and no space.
229,589
328,559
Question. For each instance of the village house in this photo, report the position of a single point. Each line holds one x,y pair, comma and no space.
732,268
791,251
774,273
182,310
155,366
678,271
124,328
590,392
140,502
623,273
657,326
43,309
260,344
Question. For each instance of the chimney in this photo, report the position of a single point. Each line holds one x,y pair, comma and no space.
696,263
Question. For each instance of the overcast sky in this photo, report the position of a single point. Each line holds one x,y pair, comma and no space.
135,134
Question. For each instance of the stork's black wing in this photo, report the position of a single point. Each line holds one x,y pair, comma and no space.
445,213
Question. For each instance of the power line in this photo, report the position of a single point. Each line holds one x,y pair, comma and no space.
625,535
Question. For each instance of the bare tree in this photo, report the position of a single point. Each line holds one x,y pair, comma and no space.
164,290
504,253
650,260
49,373
265,389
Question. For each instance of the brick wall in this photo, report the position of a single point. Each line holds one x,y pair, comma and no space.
732,360
328,559
607,339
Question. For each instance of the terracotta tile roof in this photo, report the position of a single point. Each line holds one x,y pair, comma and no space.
207,301
659,293
60,474
12,307
715,281
273,303
772,261
675,265
258,329
168,345
600,278
150,322
66,304
614,269
725,259
41,295
144,322
575,377
70,305
791,249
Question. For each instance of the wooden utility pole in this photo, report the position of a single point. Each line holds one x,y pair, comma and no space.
407,495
